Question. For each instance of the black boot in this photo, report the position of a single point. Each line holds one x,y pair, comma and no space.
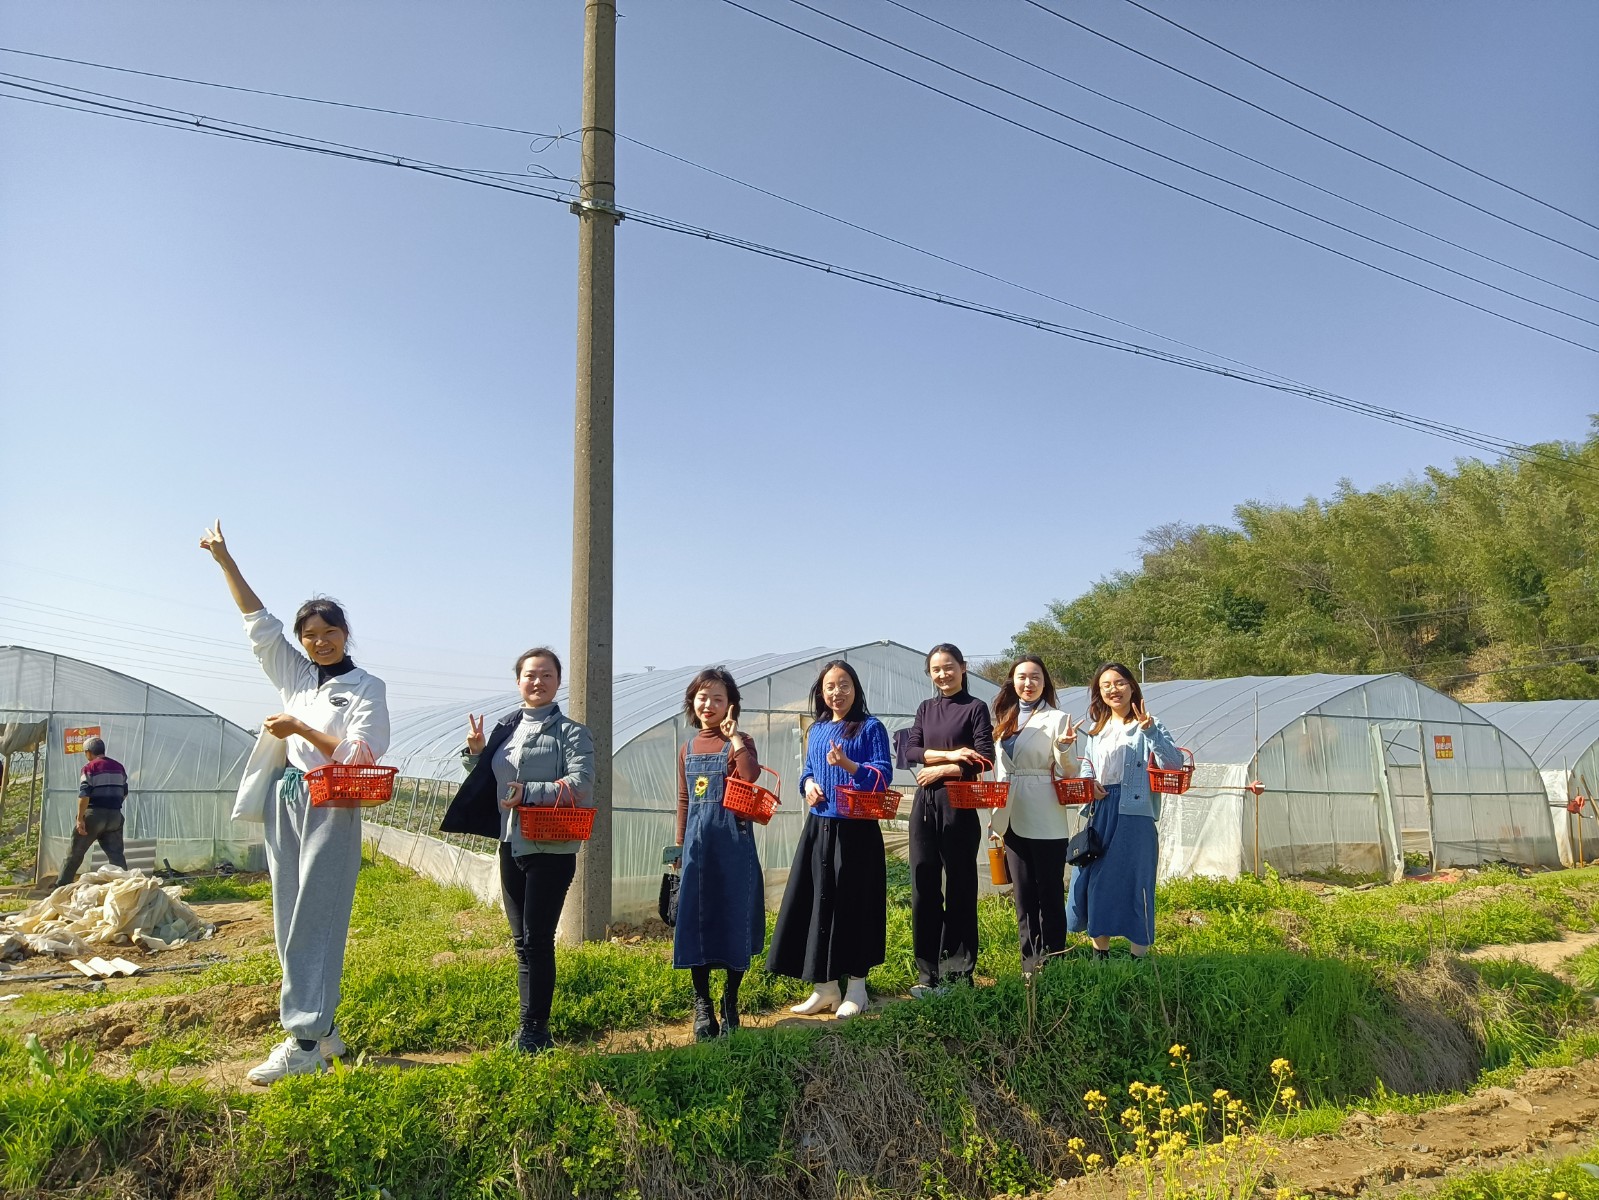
534,1039
730,1021
705,1027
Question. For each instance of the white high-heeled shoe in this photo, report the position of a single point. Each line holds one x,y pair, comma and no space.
854,1000
824,999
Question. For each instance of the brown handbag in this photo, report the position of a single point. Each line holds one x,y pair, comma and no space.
998,868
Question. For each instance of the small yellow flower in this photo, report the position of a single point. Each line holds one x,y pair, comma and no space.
1093,1161
1135,1088
1075,1145
701,786
1288,1095
1281,1067
1219,1094
1094,1098
1178,1050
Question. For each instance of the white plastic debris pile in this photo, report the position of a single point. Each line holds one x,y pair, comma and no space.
108,907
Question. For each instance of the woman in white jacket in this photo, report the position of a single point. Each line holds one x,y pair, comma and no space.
332,712
1031,736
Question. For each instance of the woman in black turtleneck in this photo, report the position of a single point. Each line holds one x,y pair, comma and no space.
950,739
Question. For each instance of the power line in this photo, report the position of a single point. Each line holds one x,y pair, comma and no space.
1299,179
1164,158
552,138
1459,434
1376,162
1362,116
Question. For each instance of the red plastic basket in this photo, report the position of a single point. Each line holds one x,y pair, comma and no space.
750,800
977,793
1079,789
556,822
879,805
1172,781
344,785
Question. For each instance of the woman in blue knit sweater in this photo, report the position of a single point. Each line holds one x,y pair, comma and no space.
832,926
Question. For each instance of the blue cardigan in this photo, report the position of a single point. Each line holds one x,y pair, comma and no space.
868,748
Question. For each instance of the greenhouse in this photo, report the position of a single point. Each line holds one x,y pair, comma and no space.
1562,736
1359,771
184,761
649,727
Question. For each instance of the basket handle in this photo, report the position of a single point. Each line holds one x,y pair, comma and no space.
1086,774
1187,760
882,780
777,782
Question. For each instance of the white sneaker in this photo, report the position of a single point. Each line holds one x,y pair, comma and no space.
854,1000
824,999
287,1059
920,991
333,1045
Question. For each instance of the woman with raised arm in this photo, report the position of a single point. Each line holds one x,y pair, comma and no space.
1035,741
832,927
1114,895
333,712
951,738
535,756
721,903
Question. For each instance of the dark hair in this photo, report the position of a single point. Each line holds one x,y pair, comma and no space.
1007,705
326,607
954,651
858,712
94,746
536,652
708,676
1098,711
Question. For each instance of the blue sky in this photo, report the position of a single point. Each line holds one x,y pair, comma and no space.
368,373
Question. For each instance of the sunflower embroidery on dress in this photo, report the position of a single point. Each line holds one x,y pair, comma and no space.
701,786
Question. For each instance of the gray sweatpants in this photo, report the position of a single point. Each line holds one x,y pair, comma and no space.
314,855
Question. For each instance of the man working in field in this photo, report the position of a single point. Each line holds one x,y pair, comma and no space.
102,788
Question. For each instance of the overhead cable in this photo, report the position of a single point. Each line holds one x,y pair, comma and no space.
1369,120
1249,158
1459,434
1376,162
1169,159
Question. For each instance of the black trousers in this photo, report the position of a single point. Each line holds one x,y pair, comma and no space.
104,826
943,846
1038,878
535,889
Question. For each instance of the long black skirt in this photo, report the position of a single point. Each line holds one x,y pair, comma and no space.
834,916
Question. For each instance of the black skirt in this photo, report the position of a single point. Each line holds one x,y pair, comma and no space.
834,917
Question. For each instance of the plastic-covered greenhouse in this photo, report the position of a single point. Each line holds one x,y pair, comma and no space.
1359,770
184,761
1563,738
649,727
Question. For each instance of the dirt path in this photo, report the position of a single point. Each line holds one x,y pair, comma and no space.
1546,956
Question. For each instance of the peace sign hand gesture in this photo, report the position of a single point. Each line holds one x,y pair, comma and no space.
1068,735
474,736
213,542
1141,715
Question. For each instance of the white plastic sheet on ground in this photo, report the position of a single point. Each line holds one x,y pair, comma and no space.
108,907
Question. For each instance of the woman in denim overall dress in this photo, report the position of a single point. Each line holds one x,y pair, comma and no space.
721,910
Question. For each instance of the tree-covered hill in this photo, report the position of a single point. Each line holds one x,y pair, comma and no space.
1479,581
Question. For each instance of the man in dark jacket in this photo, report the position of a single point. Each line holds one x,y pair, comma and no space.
102,788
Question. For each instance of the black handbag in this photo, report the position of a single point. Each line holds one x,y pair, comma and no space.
1085,845
667,904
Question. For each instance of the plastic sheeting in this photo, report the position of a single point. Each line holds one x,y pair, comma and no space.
184,762
1562,736
1358,770
649,729
108,907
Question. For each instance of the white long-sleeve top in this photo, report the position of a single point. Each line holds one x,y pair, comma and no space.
1031,807
354,707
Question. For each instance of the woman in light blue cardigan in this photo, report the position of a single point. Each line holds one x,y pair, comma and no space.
1114,895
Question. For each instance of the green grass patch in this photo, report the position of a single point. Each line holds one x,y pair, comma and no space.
1527,1181
208,889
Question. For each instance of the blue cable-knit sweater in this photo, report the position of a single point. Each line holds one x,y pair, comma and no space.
867,749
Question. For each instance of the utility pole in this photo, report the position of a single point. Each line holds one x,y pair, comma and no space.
589,687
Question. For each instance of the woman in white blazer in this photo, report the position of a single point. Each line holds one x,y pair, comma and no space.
332,712
1031,735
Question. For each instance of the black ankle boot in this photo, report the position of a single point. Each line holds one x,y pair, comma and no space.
730,1021
705,1027
534,1038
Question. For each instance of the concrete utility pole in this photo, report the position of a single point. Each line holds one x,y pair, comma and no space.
588,909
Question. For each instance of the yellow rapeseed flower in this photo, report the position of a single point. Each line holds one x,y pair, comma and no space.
1219,1094
1075,1145
1178,1050
1281,1067
1094,1098
1092,1161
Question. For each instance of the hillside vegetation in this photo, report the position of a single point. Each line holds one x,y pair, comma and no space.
1478,581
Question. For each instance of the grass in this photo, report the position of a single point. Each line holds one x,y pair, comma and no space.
975,1091
208,889
1564,1180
